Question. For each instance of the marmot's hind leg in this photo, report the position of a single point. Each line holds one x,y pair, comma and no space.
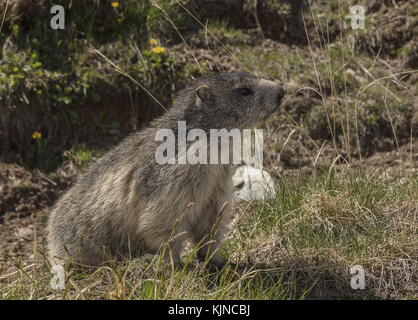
210,234
171,248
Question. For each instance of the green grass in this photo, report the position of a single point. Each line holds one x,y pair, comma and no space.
300,244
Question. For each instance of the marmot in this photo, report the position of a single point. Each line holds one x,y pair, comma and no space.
126,201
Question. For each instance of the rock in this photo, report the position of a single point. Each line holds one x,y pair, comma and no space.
251,183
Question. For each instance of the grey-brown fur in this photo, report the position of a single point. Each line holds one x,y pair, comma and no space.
126,201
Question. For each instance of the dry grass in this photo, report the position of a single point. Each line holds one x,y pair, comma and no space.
301,244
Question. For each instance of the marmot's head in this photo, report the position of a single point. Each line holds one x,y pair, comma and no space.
231,100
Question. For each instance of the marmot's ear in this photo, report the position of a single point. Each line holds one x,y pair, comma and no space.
204,94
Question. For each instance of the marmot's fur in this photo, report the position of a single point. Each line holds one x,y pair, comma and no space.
126,201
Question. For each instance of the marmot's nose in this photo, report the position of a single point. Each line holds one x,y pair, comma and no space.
280,94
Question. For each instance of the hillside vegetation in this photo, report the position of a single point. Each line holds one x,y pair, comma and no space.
343,149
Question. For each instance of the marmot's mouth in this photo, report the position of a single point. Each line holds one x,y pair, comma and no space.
279,105
276,107
271,111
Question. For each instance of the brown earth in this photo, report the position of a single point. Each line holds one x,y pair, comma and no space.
25,197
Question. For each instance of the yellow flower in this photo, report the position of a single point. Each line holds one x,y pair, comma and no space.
36,135
119,20
114,4
153,41
158,49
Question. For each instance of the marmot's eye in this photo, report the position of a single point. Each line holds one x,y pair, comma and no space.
244,91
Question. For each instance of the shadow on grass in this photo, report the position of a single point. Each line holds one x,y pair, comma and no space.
296,279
